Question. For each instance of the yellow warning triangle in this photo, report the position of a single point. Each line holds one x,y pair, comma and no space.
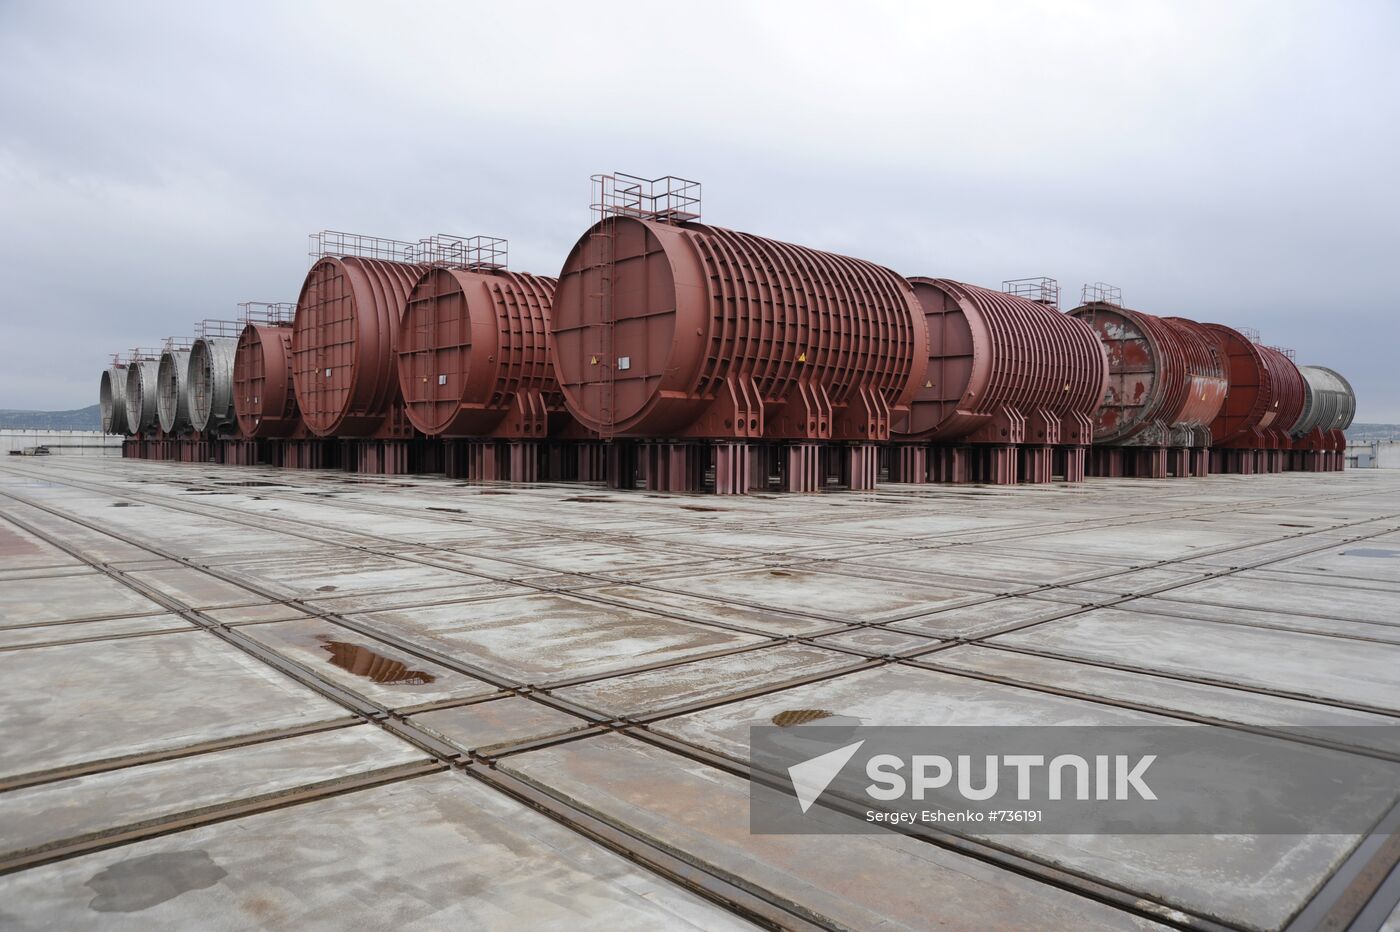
802,357
593,361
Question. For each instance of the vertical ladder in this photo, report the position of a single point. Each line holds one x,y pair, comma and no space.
604,242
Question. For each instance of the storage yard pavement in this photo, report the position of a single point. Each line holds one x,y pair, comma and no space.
238,697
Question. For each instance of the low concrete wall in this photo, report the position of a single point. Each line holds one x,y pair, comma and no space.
1374,454
61,442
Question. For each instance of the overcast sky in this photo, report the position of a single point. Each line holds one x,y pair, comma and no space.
1230,161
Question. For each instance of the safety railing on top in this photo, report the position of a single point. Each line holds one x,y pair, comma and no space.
336,243
1041,290
444,250
668,198
217,328
271,313
1101,293
477,253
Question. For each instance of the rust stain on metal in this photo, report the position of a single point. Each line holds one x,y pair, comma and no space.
1164,375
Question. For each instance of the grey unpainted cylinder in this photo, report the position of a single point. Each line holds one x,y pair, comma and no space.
173,391
1328,401
141,395
111,400
210,381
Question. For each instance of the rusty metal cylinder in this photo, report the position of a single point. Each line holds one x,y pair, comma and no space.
263,398
211,384
687,330
994,361
474,354
111,399
343,336
1328,403
141,414
1165,381
1266,391
1290,391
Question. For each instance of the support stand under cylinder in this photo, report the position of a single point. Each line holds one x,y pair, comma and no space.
909,463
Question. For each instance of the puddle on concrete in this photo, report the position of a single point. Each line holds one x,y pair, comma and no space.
495,492
135,884
791,717
362,661
702,508
588,499
779,573
125,505
255,484
326,588
455,511
1370,552
1281,524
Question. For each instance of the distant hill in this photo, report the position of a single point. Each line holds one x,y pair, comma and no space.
1358,432
89,418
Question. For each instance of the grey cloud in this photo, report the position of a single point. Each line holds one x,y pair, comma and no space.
160,162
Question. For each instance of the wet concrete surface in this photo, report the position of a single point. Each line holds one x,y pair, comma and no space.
440,851
141,691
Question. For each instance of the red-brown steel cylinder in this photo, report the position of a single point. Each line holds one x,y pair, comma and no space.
474,355
687,330
1259,396
1164,384
1289,391
996,361
1209,376
263,398
344,369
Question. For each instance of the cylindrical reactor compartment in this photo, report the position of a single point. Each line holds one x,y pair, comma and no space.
1249,403
689,330
111,399
1266,390
172,391
1165,380
263,397
343,354
1289,390
1328,403
474,355
211,384
995,357
141,413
